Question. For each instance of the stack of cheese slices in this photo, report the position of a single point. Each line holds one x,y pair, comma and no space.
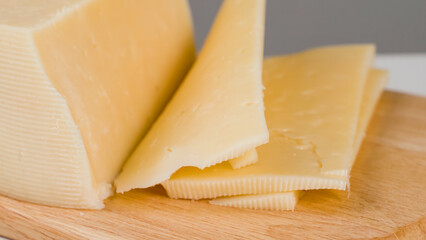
88,88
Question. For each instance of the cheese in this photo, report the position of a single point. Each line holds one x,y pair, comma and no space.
249,158
288,200
80,84
287,162
274,172
217,113
319,102
268,201
376,82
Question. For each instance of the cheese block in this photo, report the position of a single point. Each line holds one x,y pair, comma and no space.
249,158
286,163
80,84
217,113
268,201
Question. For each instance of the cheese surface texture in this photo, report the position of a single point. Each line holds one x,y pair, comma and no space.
376,82
217,113
249,158
374,87
289,161
321,101
80,84
268,201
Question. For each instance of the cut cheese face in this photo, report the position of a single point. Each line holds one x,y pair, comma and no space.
217,113
268,201
249,158
80,84
285,163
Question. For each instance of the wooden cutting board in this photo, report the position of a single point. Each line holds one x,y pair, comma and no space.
387,199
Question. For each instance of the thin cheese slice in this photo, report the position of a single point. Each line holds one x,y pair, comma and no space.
285,163
81,81
218,113
287,200
249,158
376,82
268,201
318,100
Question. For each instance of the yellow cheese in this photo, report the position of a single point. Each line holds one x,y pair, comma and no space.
268,201
217,114
286,163
249,158
319,100
80,84
376,82
288,200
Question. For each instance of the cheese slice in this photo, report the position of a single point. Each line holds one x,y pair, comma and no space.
376,81
218,113
286,163
319,99
249,158
80,84
268,201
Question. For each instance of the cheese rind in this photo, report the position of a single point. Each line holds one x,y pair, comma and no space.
269,201
42,156
249,158
31,14
221,180
80,83
218,113
285,163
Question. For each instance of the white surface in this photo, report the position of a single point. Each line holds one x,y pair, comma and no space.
407,73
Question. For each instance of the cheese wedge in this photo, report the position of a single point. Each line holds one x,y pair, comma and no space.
249,158
218,113
80,84
268,201
286,163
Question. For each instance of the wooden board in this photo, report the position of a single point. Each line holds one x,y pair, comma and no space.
387,199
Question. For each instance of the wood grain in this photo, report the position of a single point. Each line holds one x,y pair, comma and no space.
387,199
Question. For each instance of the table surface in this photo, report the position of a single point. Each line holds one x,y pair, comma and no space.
407,73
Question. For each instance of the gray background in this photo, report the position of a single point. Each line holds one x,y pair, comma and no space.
396,26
